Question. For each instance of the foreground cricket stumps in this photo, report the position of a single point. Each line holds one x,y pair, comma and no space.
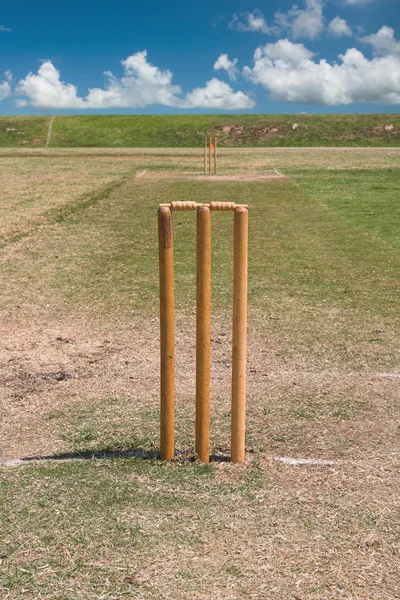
203,326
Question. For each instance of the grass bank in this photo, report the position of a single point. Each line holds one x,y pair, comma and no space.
187,131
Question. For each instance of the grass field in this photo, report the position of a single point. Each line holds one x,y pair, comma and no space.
87,509
187,131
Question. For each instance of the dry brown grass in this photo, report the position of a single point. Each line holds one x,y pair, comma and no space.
296,407
32,189
270,157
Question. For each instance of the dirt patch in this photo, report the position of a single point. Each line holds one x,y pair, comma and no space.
241,177
195,175
54,374
234,175
48,368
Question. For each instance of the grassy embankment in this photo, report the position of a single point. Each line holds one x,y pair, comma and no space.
82,378
186,131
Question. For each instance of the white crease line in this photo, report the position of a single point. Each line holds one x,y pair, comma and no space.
391,375
287,460
279,173
140,174
13,462
317,462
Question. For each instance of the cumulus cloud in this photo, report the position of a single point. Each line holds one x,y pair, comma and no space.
5,86
5,89
357,2
251,21
383,42
4,28
297,22
302,23
289,73
339,27
46,90
225,64
283,52
217,94
142,84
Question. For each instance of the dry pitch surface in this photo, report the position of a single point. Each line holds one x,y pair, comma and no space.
79,377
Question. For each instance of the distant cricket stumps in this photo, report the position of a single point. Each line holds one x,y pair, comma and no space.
210,156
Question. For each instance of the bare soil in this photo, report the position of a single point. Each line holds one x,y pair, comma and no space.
242,177
62,366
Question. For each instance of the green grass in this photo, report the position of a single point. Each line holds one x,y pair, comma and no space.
323,237
25,132
186,131
366,199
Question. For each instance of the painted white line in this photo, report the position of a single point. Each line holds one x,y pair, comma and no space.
320,462
279,173
287,460
49,132
140,174
13,462
390,375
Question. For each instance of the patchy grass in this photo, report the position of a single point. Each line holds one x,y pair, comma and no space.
35,191
143,529
233,130
16,132
79,376
186,131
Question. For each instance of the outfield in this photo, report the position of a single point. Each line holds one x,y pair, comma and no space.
96,514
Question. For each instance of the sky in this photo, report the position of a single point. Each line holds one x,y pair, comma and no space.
204,56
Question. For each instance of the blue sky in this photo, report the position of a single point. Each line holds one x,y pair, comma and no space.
98,56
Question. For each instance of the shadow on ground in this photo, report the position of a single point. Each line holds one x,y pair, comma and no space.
181,456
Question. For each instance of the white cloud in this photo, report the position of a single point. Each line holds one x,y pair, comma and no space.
251,21
45,90
302,23
5,88
383,42
357,2
289,73
225,64
142,84
282,53
217,94
4,28
339,27
297,22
